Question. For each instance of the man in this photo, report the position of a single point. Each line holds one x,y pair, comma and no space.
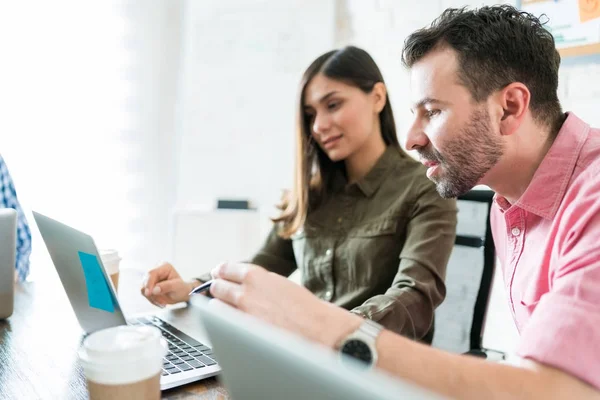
8,199
486,111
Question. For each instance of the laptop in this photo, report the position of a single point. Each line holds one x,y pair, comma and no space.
8,251
96,305
260,361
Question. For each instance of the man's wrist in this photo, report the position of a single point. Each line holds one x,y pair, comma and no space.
340,324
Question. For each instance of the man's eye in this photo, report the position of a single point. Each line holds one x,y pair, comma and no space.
431,113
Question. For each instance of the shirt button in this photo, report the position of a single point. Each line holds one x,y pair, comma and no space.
515,231
328,252
328,295
340,219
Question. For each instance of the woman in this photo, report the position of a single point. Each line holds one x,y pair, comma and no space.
364,225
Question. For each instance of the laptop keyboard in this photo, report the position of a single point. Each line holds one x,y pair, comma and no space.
185,353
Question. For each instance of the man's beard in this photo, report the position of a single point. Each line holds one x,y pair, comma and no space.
467,157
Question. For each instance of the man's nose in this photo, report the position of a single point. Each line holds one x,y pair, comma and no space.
416,137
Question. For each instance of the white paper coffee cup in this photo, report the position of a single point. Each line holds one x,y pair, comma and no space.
111,261
123,362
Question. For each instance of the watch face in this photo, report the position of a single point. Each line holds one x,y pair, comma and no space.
359,350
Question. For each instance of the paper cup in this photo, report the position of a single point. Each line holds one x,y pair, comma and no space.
111,261
123,362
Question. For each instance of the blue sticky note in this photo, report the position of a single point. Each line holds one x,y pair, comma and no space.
99,295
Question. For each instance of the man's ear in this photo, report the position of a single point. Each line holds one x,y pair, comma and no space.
514,102
380,96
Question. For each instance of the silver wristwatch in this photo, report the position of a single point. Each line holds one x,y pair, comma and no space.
360,344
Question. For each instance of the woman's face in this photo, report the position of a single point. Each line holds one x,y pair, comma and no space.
342,118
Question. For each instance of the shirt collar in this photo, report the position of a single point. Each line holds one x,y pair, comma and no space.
369,184
549,184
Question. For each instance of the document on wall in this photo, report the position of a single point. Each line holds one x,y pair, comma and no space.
575,24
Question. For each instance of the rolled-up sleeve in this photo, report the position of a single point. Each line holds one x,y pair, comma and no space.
564,328
408,306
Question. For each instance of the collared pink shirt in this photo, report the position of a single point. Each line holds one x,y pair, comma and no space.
548,244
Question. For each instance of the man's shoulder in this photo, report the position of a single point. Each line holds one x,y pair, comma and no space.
588,162
579,208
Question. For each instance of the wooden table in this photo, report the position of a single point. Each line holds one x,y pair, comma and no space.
39,343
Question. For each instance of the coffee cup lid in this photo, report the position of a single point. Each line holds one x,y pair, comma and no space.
109,255
122,354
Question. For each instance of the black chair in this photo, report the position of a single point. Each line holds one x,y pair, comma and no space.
459,320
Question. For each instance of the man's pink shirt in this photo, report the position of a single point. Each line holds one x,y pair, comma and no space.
548,244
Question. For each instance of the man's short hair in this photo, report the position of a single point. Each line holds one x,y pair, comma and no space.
496,45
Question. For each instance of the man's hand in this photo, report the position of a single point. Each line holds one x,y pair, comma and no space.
163,285
281,302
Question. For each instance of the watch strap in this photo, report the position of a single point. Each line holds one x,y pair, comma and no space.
370,328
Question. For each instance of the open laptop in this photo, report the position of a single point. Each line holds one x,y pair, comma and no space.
260,361
96,305
8,250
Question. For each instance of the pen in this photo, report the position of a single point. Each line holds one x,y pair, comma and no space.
202,288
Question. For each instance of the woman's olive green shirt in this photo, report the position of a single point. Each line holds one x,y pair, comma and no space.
377,247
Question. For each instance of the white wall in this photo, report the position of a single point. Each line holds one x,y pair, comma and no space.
242,62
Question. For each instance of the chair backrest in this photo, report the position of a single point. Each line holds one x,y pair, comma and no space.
459,320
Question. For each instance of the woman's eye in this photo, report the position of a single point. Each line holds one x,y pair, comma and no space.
333,106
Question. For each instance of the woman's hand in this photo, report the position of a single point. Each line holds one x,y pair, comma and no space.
163,285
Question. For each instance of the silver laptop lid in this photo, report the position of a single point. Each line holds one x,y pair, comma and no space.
8,250
262,362
82,274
